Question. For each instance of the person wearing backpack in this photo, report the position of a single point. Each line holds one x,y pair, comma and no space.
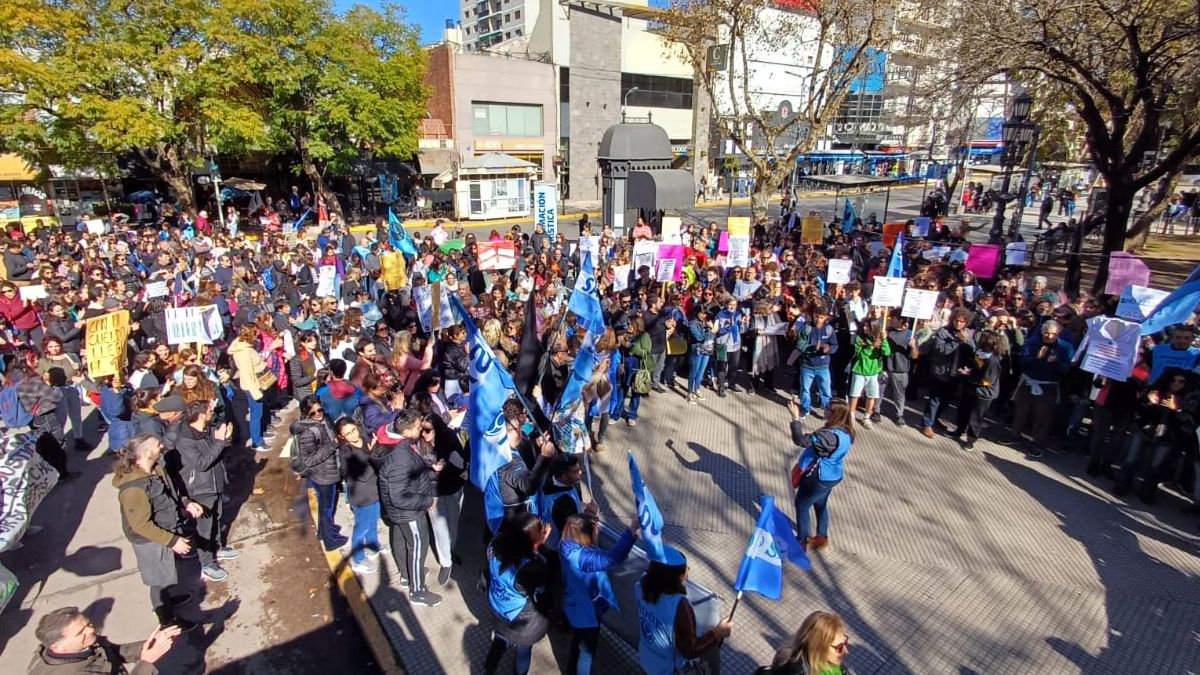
39,401
315,458
819,468
639,362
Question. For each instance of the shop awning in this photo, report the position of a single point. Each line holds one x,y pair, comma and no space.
14,168
661,189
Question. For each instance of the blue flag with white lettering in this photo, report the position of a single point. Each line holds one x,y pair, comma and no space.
491,387
772,541
896,264
398,236
849,219
649,517
585,298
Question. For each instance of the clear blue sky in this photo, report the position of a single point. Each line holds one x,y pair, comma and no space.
430,15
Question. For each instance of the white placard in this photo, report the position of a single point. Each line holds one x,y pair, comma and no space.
839,271
326,276
1112,348
739,250
1138,301
95,226
665,272
188,325
156,289
26,480
31,293
918,304
620,277
589,245
1015,253
888,291
671,226
545,208
645,252
921,226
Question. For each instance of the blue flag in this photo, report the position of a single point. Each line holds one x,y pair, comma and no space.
569,419
849,219
585,299
896,264
491,387
398,236
300,220
1175,308
772,541
649,517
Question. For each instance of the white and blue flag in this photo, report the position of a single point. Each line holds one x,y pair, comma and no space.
772,541
649,517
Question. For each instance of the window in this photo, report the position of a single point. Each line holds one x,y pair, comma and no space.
505,119
507,35
506,17
467,13
517,32
564,85
476,197
657,92
517,14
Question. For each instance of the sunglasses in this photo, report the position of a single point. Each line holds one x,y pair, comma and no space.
841,647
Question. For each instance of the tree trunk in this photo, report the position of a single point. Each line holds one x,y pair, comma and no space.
765,184
1116,223
171,166
1139,233
181,184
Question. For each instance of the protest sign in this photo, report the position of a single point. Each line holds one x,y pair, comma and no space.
326,281
671,226
644,254
1111,348
738,225
497,255
620,277
545,208
723,243
921,226
890,232
812,230
918,304
95,226
744,290
188,325
739,250
875,247
106,338
676,252
1015,254
888,291
839,271
982,259
427,314
32,293
665,271
156,289
25,480
452,245
1123,270
587,245
392,270
1138,301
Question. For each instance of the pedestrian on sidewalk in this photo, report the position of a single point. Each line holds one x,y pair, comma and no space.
587,591
203,476
69,644
819,469
517,576
151,518
981,387
818,648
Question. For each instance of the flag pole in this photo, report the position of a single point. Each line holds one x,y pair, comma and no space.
736,601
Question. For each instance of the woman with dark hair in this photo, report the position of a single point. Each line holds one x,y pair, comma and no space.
517,576
819,468
316,458
362,487
587,592
452,361
1164,423
200,445
980,389
303,367
442,442
53,356
669,643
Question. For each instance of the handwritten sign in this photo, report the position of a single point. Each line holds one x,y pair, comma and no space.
434,316
888,291
106,338
187,325
1016,254
25,480
497,255
839,271
918,304
326,281
1112,348
392,270
665,271
738,225
739,250
671,226
812,230
156,289
676,252
33,293
620,277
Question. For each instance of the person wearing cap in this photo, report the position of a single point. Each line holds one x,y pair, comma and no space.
517,576
668,641
407,491
820,468
317,461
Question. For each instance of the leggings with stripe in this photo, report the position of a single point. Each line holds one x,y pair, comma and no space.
410,546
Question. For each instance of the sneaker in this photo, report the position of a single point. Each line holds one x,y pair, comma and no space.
865,423
444,576
425,599
403,582
632,423
819,543
658,387
969,445
213,573
692,399
720,393
876,418
927,432
372,554
364,567
228,553
1037,452
261,448
599,447
699,396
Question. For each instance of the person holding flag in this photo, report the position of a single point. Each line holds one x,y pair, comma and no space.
669,643
587,592
819,468
398,236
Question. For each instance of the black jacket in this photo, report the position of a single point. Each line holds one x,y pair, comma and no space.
202,469
454,364
362,485
301,375
406,482
64,329
318,451
518,483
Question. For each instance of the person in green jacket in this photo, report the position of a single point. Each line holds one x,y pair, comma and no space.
870,349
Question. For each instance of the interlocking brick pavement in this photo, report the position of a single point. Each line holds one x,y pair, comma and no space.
941,560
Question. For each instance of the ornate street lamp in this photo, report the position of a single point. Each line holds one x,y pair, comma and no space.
1014,132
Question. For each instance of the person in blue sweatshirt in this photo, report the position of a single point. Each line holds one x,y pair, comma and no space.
587,592
816,341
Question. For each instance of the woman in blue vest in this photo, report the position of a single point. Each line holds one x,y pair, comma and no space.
587,593
517,577
820,468
667,621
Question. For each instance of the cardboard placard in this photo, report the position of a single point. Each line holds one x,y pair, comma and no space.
107,336
918,303
665,272
812,230
620,277
671,226
736,225
982,259
677,253
497,255
32,293
1125,270
1138,301
739,250
326,281
156,289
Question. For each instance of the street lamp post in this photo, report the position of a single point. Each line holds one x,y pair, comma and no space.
1019,210
1012,132
625,103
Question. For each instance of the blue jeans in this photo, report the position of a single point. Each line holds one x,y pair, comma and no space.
813,495
256,421
365,535
807,375
583,649
696,370
328,531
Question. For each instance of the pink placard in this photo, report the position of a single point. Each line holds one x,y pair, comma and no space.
676,251
1123,270
723,242
981,260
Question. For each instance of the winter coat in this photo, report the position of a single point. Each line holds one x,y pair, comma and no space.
102,658
318,451
406,482
245,357
202,469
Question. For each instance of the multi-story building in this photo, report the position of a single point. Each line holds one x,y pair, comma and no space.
493,24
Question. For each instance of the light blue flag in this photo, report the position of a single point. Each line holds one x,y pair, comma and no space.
1175,308
491,387
585,298
398,236
849,219
649,517
569,419
772,541
896,264
296,225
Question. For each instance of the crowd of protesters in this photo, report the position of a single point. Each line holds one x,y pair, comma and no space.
375,396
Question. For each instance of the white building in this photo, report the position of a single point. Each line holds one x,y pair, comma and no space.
494,24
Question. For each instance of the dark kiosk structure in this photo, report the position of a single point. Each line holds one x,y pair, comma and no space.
635,165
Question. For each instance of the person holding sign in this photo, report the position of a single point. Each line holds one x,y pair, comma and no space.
870,350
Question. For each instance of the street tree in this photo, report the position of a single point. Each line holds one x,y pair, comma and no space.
82,80
1125,66
329,86
829,46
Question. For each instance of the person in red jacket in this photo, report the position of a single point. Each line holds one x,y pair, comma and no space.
21,314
